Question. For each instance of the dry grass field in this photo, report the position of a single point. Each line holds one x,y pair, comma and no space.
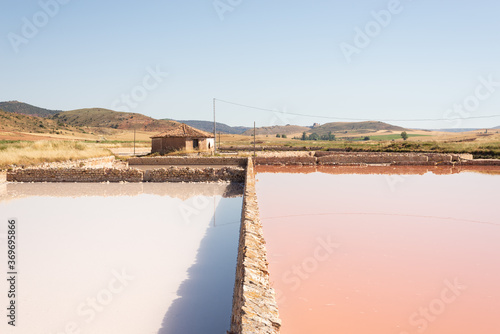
34,152
28,148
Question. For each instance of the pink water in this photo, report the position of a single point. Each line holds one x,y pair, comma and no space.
383,254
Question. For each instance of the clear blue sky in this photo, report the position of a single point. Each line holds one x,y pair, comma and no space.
428,57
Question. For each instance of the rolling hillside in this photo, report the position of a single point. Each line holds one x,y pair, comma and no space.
221,127
355,127
278,129
26,109
99,117
10,121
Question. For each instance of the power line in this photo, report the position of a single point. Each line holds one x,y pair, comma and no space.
379,214
358,119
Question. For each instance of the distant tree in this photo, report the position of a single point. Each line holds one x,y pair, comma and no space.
304,136
314,136
278,135
283,136
366,138
404,135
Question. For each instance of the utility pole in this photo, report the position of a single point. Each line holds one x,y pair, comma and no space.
254,140
215,133
134,141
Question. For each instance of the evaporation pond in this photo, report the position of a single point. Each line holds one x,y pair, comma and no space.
121,258
383,253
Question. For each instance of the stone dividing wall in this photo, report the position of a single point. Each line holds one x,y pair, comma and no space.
361,158
188,161
75,175
372,158
254,302
172,174
285,160
482,162
175,174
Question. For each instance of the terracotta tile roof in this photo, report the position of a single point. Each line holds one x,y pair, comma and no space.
184,130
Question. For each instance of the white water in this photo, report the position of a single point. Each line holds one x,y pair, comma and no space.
124,264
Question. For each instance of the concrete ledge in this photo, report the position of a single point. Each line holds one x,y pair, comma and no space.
254,303
231,161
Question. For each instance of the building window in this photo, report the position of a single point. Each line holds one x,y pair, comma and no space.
196,143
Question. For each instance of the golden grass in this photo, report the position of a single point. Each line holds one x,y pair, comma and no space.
32,153
478,144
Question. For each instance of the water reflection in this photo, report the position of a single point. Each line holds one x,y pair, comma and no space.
183,191
380,169
205,297
123,258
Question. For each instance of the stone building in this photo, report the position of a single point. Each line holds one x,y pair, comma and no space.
182,137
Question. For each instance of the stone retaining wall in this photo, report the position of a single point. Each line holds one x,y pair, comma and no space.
254,303
173,174
75,175
371,158
482,162
232,161
285,160
362,158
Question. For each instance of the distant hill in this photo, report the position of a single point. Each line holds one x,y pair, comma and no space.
209,127
456,130
26,109
277,129
465,129
10,121
355,127
99,117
